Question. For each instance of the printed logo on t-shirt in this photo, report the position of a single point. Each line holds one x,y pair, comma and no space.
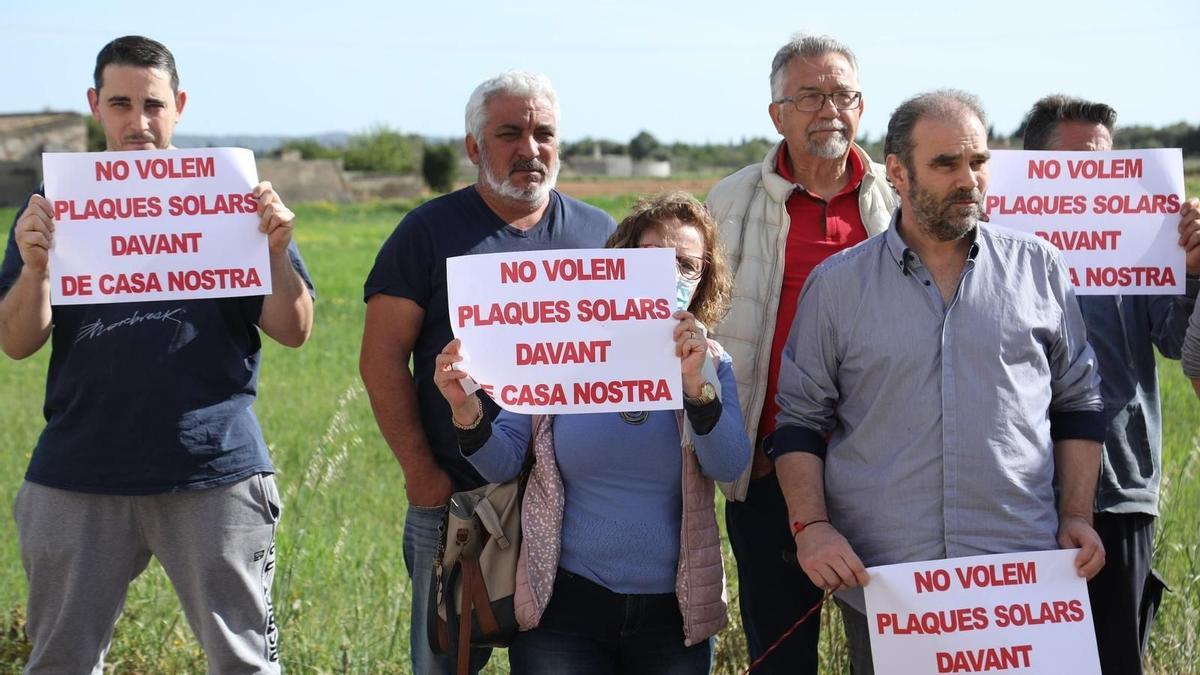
98,328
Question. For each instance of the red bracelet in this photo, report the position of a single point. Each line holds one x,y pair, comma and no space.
798,527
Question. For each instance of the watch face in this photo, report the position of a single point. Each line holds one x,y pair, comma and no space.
707,393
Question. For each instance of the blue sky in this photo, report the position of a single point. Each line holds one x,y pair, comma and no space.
694,71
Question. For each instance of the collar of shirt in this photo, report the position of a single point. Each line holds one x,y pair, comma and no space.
783,166
903,254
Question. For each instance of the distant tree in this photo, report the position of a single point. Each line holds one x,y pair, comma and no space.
1191,142
642,145
383,149
311,149
1140,137
439,163
582,147
96,141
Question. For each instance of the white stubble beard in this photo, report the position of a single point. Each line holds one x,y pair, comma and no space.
536,193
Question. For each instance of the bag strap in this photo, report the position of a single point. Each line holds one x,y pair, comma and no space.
475,604
464,624
481,603
491,522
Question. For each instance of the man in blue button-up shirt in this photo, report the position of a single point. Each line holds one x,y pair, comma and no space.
936,379
1124,330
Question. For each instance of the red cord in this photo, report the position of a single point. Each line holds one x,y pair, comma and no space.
775,645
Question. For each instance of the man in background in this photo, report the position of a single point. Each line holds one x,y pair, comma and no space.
814,194
1124,330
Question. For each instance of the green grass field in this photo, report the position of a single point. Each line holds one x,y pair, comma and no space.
341,592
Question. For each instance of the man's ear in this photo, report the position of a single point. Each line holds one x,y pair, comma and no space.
93,97
180,102
472,149
897,173
775,110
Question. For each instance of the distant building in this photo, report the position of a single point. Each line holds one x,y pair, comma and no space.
621,166
23,139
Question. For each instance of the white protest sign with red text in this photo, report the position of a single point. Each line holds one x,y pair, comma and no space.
1022,613
154,225
1114,215
569,331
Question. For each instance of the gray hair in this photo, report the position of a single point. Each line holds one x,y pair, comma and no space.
943,104
805,46
1041,124
512,83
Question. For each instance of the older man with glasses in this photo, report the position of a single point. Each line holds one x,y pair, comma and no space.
815,193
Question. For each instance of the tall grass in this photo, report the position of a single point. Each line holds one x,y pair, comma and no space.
341,590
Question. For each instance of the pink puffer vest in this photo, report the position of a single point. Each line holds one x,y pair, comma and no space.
699,578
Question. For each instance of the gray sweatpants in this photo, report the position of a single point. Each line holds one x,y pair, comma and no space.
80,552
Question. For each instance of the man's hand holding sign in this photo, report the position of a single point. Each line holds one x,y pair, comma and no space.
25,325
287,312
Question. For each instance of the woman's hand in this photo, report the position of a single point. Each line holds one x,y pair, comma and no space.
449,381
692,349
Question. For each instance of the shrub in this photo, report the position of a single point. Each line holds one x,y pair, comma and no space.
438,166
383,149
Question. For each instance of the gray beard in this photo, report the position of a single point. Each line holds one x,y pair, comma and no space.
835,146
534,194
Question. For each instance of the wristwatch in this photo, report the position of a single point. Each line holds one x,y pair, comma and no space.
708,393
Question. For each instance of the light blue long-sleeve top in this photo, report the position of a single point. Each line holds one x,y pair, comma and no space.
623,485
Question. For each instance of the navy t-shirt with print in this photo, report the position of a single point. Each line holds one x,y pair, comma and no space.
150,397
412,265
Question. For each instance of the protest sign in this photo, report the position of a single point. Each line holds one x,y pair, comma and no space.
1114,215
1024,613
154,225
569,331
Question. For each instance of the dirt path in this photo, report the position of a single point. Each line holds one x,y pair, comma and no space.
598,188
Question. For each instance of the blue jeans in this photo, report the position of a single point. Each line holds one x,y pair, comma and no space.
590,630
421,525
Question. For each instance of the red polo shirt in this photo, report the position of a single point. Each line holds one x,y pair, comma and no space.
818,230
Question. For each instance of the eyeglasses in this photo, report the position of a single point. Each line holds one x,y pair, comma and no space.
813,101
688,266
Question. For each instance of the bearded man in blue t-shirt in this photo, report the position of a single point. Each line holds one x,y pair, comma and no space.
512,136
151,447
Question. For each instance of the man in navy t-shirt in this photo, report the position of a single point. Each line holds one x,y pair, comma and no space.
512,135
151,447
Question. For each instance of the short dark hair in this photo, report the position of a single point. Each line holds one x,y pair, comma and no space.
943,103
1041,124
137,51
